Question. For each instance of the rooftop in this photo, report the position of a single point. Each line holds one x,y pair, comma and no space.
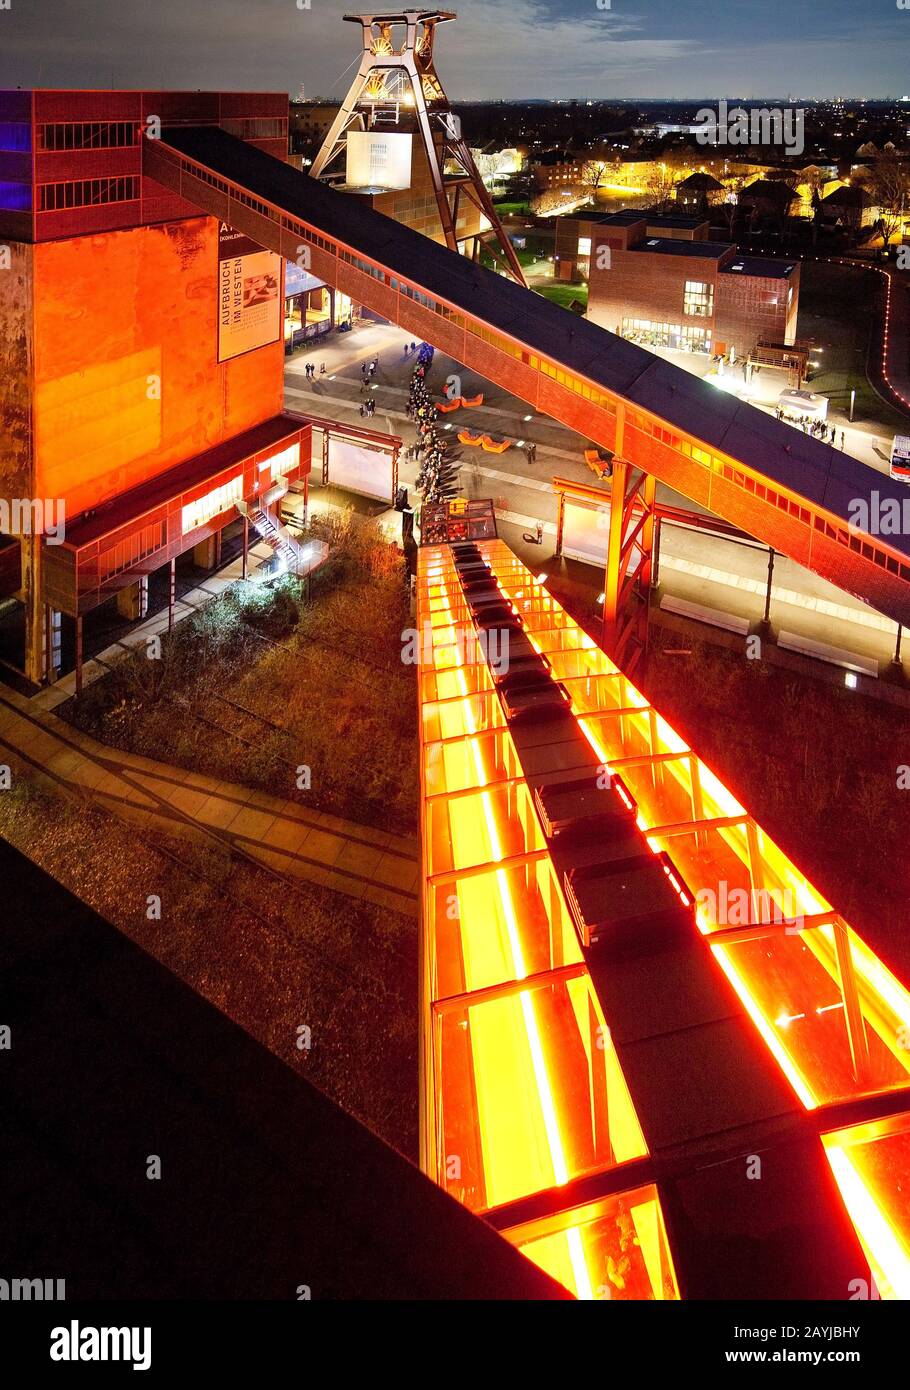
627,217
764,267
669,246
124,1051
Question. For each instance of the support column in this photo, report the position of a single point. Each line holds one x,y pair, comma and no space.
246,548
627,576
34,664
133,601
204,554
171,594
560,519
766,620
79,655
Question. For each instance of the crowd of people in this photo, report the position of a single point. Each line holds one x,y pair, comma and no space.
437,472
819,429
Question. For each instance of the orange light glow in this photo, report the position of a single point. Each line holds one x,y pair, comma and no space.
832,1040
506,1068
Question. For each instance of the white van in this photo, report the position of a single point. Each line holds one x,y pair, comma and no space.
900,457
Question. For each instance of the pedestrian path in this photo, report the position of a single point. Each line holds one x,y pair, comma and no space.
287,840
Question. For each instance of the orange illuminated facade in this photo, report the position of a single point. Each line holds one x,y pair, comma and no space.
535,1101
123,401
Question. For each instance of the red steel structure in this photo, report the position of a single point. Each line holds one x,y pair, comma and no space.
398,69
783,487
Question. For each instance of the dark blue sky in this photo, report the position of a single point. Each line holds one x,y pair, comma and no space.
507,48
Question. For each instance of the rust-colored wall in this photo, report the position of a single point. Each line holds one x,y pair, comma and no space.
16,356
111,311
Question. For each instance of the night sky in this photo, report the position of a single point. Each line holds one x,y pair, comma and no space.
497,48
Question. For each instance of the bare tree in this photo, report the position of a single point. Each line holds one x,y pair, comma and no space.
596,170
888,184
660,184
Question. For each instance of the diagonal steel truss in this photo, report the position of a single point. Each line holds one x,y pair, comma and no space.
395,74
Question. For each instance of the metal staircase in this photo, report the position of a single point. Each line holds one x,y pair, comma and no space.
266,523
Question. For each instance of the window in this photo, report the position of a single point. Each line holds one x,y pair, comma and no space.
584,246
15,197
130,550
221,499
698,299
281,463
87,135
54,197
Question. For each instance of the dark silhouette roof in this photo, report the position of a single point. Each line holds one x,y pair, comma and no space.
266,1184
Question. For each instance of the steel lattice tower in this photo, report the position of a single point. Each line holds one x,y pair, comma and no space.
399,71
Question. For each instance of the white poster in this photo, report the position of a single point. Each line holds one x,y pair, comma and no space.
359,469
379,160
585,532
249,295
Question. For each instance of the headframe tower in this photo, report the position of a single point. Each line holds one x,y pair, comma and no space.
397,81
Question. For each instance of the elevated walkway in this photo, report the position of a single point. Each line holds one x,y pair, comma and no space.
788,490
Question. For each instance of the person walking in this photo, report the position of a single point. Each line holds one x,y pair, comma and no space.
841,439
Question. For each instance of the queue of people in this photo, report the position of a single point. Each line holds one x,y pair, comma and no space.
819,429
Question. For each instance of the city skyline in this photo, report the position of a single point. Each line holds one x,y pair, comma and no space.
634,50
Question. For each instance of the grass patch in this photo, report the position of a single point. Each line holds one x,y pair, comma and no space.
262,682
564,294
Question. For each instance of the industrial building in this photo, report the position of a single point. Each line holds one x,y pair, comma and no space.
142,355
694,295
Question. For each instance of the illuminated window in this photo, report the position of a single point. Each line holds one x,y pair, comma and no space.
221,499
584,246
280,464
698,299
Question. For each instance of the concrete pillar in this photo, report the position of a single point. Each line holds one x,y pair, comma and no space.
204,554
133,601
33,657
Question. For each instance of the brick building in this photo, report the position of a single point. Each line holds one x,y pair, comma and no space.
575,235
141,358
699,296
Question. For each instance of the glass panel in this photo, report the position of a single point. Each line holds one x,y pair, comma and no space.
503,925
870,1163
612,1249
530,1094
482,827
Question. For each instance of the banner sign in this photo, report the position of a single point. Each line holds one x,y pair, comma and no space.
249,295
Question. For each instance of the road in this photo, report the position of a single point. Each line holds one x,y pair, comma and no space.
702,568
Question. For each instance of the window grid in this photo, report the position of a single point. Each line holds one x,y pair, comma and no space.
80,193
